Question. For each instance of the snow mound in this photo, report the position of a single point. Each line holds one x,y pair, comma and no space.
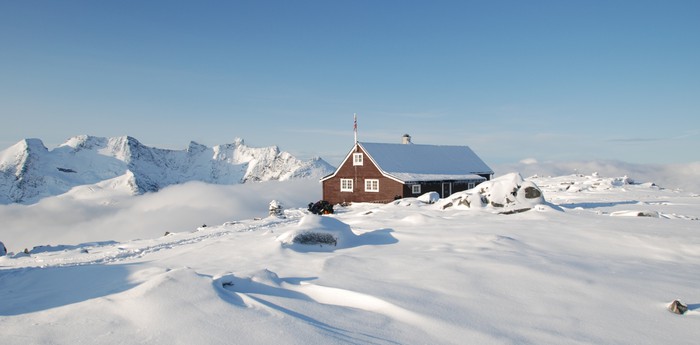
429,198
651,214
324,233
507,194
315,230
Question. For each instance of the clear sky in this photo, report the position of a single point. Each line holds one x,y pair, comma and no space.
549,80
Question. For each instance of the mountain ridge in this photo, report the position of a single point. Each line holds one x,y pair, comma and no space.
30,171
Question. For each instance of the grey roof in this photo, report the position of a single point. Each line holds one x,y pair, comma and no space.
415,162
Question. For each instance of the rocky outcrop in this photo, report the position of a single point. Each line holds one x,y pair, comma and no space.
507,194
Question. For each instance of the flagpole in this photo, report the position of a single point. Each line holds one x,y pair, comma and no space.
355,128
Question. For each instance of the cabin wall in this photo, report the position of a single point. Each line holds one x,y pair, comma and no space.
388,188
438,186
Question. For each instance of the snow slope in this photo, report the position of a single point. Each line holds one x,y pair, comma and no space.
567,272
29,171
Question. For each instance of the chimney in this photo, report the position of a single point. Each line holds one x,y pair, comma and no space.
406,139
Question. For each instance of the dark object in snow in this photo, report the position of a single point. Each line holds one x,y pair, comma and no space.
26,251
167,233
321,207
65,170
3,250
314,238
203,226
520,210
677,307
532,192
276,209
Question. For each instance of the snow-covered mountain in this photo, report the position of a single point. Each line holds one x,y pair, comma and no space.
29,171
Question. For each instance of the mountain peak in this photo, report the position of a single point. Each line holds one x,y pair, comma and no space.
81,142
29,171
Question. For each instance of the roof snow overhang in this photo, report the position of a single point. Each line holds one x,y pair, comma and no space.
413,178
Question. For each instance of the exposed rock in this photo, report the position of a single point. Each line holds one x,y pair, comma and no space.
507,194
677,307
532,192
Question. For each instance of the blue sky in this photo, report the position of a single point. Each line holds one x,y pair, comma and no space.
550,80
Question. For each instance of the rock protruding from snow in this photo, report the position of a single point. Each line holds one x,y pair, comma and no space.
507,194
275,209
3,249
677,307
29,171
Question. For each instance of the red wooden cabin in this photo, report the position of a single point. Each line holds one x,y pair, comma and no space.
374,172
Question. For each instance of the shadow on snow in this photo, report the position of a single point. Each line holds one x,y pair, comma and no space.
28,290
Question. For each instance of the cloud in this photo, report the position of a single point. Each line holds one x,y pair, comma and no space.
681,176
635,140
74,219
687,134
528,161
71,219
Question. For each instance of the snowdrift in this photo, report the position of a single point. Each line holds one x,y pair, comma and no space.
325,233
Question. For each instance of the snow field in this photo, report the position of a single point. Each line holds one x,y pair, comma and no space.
405,272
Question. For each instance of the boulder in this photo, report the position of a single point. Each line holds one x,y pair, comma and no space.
507,194
677,307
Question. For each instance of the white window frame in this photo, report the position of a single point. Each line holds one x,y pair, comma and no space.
357,158
415,189
346,185
372,185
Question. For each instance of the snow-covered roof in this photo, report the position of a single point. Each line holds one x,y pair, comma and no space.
409,177
415,162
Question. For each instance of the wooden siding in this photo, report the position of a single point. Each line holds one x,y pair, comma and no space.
388,189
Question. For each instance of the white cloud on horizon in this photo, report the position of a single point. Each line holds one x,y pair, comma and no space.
78,219
672,176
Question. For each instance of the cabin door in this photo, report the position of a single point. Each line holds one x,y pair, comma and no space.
446,189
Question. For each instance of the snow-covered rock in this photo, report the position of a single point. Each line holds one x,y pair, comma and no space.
3,249
29,171
507,194
315,230
429,198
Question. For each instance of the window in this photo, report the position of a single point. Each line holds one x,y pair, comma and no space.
357,159
470,185
371,185
415,189
346,185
